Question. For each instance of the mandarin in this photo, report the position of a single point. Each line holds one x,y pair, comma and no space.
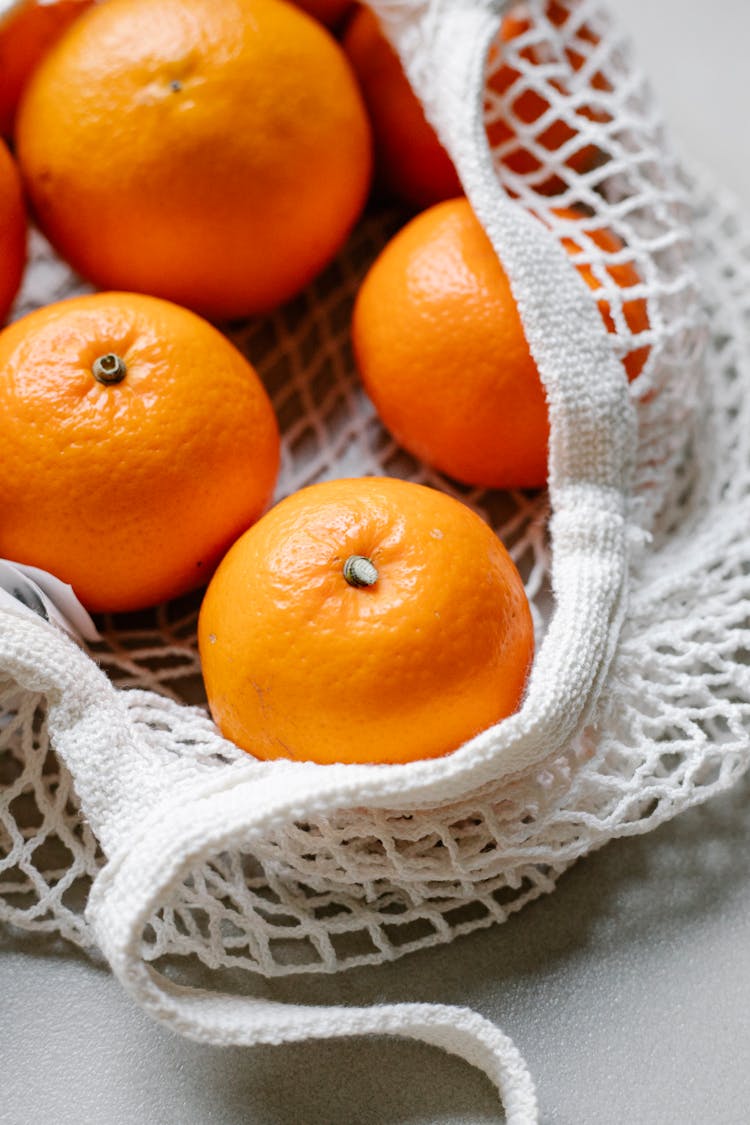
213,152
411,162
12,231
523,155
369,620
138,443
442,353
27,31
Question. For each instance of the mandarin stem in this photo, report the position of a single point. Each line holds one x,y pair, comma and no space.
109,369
360,571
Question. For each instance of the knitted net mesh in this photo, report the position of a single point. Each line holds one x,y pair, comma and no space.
572,125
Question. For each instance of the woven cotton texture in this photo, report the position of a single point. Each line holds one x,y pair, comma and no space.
636,563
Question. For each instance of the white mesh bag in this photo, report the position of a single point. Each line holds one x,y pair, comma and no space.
128,823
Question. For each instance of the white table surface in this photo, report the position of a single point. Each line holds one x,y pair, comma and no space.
627,990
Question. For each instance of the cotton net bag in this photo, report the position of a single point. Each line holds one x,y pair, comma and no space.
127,823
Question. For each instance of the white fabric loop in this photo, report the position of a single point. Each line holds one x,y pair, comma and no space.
125,897
228,1021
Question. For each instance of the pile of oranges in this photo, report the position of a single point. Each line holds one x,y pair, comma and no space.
201,161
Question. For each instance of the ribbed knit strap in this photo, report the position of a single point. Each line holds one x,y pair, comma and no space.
117,777
147,871
227,1021
444,46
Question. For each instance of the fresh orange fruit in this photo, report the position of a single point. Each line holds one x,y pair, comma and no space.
367,620
411,161
12,231
530,106
214,152
138,443
27,31
442,353
329,12
583,38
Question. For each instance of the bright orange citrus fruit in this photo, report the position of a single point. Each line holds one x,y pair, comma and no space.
138,443
442,353
27,32
213,152
531,106
12,231
411,162
367,620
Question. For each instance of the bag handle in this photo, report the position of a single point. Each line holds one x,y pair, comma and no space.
126,894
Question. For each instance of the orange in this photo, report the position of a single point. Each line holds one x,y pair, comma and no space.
12,231
411,162
329,12
27,32
442,353
214,152
529,106
427,641
128,479
559,14
410,159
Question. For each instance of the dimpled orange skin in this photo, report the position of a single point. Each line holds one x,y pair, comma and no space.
12,232
410,159
212,152
130,492
26,34
442,353
299,664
